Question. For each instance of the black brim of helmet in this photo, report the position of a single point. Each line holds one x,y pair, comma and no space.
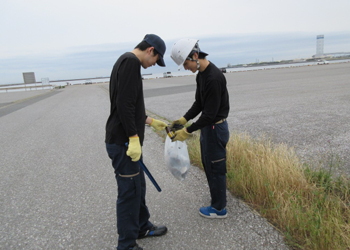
203,53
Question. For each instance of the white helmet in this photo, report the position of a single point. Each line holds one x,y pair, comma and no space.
182,49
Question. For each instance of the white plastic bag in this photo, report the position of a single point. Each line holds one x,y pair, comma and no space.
177,158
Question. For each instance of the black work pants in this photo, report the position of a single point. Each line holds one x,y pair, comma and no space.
213,143
132,212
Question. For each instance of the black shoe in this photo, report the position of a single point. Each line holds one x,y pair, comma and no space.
136,247
153,231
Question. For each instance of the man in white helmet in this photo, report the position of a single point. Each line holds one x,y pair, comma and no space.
212,101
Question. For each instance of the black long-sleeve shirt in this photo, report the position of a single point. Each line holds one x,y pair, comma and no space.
211,99
127,111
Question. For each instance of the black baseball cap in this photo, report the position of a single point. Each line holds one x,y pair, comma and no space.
158,44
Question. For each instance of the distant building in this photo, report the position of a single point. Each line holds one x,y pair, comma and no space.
319,45
29,77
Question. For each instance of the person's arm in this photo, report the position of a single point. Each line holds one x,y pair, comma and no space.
128,80
191,113
212,100
148,120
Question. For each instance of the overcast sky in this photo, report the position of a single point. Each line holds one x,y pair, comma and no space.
83,38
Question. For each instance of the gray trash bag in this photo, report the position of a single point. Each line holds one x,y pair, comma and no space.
176,158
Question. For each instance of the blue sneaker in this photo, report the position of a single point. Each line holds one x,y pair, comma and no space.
212,213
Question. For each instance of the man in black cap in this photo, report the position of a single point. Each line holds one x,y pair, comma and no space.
125,130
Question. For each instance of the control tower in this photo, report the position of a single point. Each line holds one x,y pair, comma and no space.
319,45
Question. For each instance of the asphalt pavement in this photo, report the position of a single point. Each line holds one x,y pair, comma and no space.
58,190
57,184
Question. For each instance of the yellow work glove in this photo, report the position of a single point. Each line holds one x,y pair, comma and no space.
181,121
134,150
181,135
158,125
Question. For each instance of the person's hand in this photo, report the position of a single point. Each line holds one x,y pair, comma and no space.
181,135
134,149
158,125
181,121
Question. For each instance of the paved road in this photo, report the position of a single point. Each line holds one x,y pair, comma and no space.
14,101
58,190
57,186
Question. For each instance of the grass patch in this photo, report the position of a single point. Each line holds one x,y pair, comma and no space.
309,205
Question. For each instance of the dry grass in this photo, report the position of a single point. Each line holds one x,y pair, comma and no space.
308,206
